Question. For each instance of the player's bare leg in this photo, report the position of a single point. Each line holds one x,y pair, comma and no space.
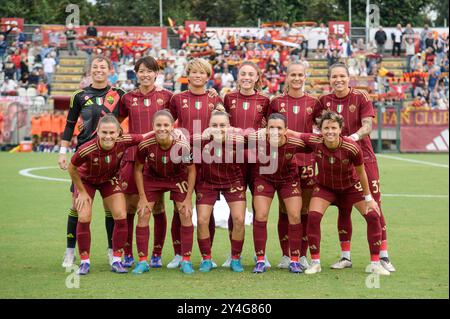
374,238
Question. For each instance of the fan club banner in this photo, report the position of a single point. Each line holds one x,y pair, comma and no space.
155,36
420,131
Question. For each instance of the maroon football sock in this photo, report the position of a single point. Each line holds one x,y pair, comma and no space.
373,234
187,239
230,227
383,225
120,234
142,238
159,231
128,249
304,249
236,248
295,240
205,247
283,232
212,227
260,237
84,239
344,224
314,219
176,233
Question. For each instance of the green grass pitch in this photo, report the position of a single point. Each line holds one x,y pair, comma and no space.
32,242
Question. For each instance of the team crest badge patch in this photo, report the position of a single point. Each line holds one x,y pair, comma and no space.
309,110
260,188
108,159
259,108
211,106
99,101
146,102
345,161
331,160
160,101
245,106
352,108
124,185
288,156
199,196
295,109
339,108
316,189
198,105
110,99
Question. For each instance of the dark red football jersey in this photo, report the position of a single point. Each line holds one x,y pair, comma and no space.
193,110
97,166
139,109
300,114
353,107
247,111
219,161
275,164
164,165
336,168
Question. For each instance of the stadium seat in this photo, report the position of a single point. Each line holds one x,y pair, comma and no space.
21,92
31,92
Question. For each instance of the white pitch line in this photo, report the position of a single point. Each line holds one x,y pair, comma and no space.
412,160
414,195
26,172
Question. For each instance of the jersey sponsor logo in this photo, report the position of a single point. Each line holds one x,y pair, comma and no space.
339,108
352,108
211,106
295,109
108,159
288,156
245,106
309,110
260,188
160,101
331,160
146,102
198,105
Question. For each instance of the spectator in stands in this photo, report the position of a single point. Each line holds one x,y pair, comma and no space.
36,38
397,36
433,77
91,30
347,49
322,41
42,89
49,64
9,68
33,79
429,40
304,32
15,58
409,32
86,80
9,87
127,86
423,36
71,38
410,49
227,78
53,39
113,77
416,63
45,51
430,58
20,38
3,47
380,40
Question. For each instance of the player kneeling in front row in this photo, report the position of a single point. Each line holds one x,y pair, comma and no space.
219,172
95,166
341,179
164,163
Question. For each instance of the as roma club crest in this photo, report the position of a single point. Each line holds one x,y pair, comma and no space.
211,106
124,185
288,156
309,110
345,161
259,108
352,108
260,188
160,101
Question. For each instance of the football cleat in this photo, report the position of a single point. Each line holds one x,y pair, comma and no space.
260,267
69,259
266,261
141,267
205,265
84,269
227,262
284,263
128,261
236,266
110,255
342,263
295,267
186,267
155,262
304,263
313,269
377,269
386,263
117,267
175,263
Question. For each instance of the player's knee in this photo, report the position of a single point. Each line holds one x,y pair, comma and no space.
84,217
372,217
238,221
203,221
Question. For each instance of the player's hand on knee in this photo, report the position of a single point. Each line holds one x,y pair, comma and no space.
83,201
142,206
372,205
62,162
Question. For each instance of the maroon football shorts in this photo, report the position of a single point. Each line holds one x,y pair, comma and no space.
374,180
347,197
154,189
285,189
208,194
307,174
111,187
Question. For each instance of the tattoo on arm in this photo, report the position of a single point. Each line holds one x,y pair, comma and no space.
366,128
